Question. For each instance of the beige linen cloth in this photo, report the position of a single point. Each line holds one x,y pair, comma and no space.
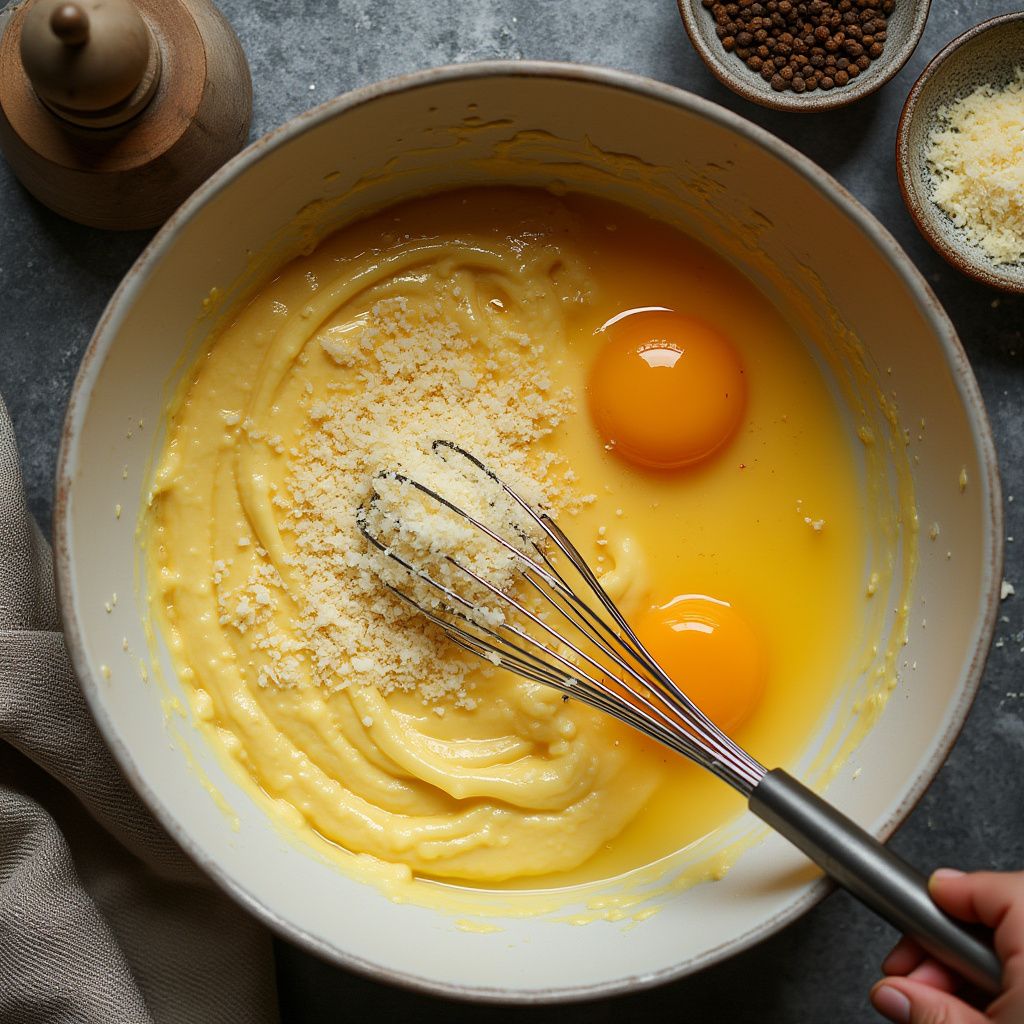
102,917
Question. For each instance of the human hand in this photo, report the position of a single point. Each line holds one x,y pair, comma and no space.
920,990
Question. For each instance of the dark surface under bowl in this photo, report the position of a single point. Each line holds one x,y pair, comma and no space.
820,967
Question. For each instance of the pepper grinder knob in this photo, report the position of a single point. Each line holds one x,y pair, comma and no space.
70,24
92,62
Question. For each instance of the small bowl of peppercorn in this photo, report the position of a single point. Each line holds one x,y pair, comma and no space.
804,55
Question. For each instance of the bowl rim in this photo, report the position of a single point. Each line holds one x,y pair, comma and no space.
916,204
691,11
149,259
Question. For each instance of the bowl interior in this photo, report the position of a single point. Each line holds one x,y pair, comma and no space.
764,207
988,55
905,26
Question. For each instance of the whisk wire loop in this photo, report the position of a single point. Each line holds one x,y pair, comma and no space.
530,666
628,684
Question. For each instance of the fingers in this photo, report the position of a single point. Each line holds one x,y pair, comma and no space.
921,991
984,896
907,1001
935,975
904,957
994,898
909,960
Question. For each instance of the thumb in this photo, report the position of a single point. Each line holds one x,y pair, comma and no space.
905,1001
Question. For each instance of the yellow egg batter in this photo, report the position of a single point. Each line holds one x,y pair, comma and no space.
476,316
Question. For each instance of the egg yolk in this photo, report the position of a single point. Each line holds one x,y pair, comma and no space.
710,651
667,389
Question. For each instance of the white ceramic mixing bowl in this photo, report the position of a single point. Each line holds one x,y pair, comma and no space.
751,197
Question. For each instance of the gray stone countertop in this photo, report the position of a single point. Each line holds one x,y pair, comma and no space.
55,278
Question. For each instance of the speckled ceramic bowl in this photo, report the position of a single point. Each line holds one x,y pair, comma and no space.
766,208
904,32
985,54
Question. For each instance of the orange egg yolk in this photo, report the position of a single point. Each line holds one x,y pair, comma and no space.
710,651
667,389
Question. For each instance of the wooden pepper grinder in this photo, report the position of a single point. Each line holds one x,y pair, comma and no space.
113,111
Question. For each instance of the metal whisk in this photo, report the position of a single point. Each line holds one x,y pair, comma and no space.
586,649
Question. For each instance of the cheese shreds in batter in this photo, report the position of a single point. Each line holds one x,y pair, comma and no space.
408,375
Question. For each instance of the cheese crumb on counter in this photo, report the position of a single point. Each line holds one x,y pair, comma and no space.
976,155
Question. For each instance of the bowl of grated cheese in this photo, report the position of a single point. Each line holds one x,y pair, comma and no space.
318,301
960,152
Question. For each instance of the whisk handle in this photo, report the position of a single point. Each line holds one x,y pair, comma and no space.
875,875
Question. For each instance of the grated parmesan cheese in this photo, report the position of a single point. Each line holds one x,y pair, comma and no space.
407,374
976,154
426,534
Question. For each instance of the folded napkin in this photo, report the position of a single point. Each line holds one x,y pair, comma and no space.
102,917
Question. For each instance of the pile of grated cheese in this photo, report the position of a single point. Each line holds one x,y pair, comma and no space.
407,376
976,154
